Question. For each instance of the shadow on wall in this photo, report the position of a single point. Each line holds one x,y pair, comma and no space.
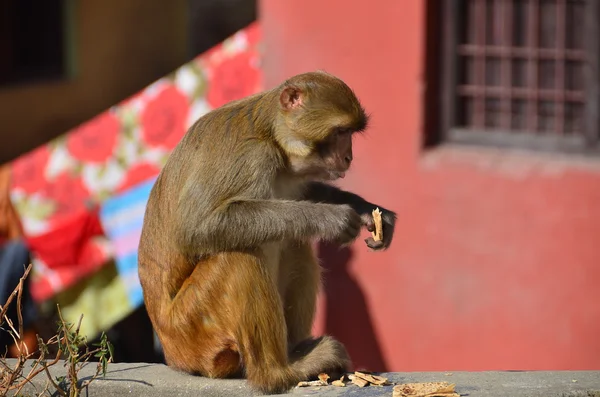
346,313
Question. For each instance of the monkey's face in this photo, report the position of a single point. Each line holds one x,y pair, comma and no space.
328,160
319,114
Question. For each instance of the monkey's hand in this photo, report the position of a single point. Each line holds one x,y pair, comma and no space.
344,226
388,222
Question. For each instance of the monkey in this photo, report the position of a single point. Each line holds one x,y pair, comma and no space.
225,258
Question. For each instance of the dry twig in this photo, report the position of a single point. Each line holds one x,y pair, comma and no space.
69,342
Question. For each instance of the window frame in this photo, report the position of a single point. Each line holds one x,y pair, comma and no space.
588,143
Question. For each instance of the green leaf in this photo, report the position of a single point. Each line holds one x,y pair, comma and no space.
122,161
41,210
78,168
201,86
22,204
110,349
129,118
102,171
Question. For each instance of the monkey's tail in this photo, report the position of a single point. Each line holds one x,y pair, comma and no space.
312,357
306,361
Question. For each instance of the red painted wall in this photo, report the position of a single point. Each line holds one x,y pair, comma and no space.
496,261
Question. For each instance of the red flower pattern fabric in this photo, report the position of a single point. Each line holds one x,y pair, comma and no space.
164,118
138,174
95,141
68,194
234,78
131,142
62,247
28,172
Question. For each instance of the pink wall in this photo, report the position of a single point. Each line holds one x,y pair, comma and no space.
496,263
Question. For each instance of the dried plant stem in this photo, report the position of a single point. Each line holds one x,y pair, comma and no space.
68,341
15,292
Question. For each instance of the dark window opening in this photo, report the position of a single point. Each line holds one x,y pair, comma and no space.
31,41
212,21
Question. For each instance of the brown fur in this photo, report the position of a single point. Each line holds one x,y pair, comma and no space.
229,276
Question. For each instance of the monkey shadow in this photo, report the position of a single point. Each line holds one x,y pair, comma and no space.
346,314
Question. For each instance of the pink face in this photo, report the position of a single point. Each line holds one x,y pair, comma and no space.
330,160
338,157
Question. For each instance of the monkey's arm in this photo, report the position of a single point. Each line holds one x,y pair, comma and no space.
244,224
233,209
325,193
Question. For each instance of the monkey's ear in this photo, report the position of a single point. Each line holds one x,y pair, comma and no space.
291,98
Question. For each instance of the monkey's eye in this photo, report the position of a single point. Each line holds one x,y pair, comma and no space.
343,131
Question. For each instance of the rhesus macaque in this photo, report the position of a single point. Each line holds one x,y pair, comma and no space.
229,275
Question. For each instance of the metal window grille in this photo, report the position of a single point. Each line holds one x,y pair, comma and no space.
523,72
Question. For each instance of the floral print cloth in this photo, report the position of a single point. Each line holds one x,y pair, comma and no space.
59,189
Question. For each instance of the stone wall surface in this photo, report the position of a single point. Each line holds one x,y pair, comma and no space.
149,380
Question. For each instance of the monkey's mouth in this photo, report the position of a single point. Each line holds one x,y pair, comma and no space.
333,175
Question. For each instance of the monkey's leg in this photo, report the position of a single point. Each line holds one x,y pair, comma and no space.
255,315
228,315
230,309
256,312
308,356
190,325
300,275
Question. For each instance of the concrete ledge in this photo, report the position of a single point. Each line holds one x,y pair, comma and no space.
148,380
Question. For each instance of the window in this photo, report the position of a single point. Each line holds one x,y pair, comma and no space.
522,73
32,40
